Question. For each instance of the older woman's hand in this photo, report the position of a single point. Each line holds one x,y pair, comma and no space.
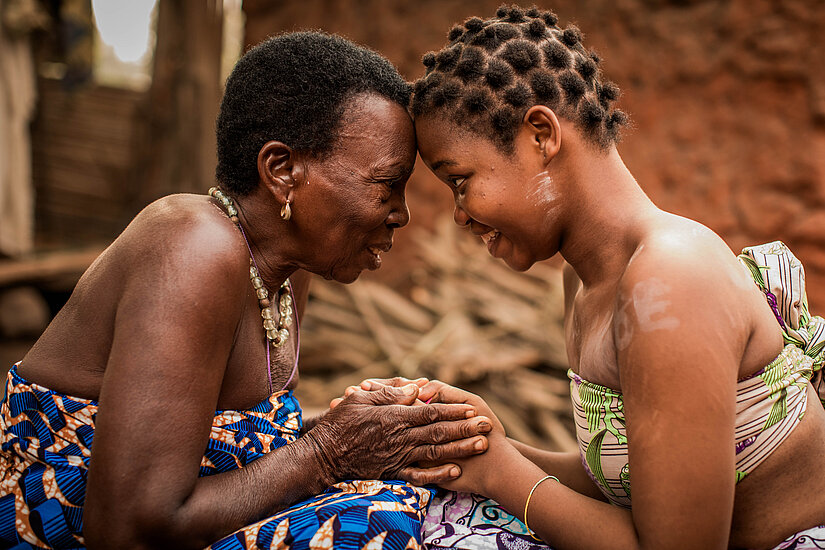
434,391
380,435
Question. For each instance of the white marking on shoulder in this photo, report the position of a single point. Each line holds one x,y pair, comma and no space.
651,307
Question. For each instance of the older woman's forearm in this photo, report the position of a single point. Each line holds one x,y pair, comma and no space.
222,503
270,484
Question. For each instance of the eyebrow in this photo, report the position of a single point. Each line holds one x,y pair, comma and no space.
387,171
439,163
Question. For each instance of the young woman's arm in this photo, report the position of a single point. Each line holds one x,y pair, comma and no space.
567,467
680,334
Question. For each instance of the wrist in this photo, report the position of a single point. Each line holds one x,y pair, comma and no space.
324,463
311,422
505,459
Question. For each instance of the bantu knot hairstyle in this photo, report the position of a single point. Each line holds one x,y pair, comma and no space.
293,88
521,55
493,70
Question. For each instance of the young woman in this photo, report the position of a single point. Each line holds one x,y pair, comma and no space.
697,421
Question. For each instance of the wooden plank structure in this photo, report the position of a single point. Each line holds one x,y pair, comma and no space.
60,269
83,150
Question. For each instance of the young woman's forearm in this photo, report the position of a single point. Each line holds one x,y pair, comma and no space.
562,517
567,467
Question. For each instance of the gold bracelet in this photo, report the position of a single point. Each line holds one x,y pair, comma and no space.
527,504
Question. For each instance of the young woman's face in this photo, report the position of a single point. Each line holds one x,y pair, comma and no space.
510,201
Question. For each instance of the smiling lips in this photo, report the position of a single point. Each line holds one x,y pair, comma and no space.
490,236
376,251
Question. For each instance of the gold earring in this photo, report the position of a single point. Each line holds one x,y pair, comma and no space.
286,211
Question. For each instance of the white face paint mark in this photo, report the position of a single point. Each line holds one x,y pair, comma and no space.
543,193
651,308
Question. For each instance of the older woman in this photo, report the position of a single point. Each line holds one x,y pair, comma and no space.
177,352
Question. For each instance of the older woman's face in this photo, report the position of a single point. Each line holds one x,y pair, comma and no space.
354,199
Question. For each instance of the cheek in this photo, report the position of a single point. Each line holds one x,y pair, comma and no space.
356,221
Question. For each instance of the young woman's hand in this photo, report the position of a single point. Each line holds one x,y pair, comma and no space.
380,435
374,384
499,452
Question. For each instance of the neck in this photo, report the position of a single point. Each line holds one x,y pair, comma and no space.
267,236
611,214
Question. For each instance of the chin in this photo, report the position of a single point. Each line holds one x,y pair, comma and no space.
345,277
519,264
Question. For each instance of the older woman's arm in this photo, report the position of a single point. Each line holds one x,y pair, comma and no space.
174,331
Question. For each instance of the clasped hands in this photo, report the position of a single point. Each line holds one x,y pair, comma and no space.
448,442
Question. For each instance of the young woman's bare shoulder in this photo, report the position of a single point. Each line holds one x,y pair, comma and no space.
687,266
687,252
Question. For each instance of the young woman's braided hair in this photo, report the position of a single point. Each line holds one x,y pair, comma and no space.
493,70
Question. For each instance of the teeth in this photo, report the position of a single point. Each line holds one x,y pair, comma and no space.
489,236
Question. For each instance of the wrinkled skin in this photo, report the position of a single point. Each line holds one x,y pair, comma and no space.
392,435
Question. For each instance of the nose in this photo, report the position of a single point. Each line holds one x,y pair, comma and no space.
460,216
399,215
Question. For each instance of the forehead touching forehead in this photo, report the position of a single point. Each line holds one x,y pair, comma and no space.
376,134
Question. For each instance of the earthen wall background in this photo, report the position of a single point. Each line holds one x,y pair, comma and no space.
727,100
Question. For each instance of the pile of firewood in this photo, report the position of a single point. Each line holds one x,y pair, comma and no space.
467,319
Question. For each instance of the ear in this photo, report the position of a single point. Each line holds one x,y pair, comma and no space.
279,170
545,130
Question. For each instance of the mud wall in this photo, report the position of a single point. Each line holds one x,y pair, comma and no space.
727,100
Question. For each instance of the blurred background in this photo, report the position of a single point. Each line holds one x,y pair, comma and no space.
106,105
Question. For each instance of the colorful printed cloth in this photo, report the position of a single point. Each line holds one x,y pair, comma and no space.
472,522
780,275
46,447
809,539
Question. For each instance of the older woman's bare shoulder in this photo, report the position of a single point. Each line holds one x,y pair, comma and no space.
186,234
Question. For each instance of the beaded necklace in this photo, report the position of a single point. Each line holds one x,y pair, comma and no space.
277,333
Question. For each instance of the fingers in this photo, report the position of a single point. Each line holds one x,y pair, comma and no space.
444,432
449,451
436,412
446,440
389,395
372,384
438,391
347,392
430,476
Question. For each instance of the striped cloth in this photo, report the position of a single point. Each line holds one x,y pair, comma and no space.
780,275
